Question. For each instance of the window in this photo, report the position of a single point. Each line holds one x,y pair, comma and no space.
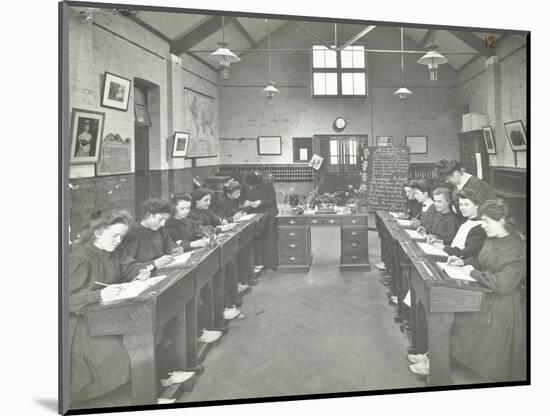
339,73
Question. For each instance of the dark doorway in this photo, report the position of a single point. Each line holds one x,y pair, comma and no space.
141,150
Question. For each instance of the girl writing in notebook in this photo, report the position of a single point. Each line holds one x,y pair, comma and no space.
184,231
98,364
428,212
230,206
444,226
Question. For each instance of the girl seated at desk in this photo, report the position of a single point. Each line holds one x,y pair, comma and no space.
413,207
230,207
149,241
470,235
444,225
428,212
98,364
181,229
201,215
492,341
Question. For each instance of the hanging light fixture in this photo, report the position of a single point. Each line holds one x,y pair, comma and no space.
402,92
223,55
270,90
433,59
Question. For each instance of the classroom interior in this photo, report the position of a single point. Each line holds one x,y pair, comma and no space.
327,324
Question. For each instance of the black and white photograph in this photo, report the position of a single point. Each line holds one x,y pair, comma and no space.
244,241
116,92
87,128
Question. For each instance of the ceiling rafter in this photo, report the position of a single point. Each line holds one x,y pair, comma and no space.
472,41
243,31
257,44
196,36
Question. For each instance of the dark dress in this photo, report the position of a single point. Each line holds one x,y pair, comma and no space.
414,208
444,227
146,245
475,184
473,243
265,192
184,230
227,208
492,341
427,218
98,364
204,217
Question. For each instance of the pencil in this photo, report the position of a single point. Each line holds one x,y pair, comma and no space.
101,284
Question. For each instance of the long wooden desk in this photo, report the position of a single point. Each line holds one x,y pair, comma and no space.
434,297
142,320
295,240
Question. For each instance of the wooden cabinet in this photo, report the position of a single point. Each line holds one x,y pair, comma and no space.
294,248
471,142
354,247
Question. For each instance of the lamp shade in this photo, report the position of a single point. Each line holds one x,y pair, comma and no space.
224,54
403,92
270,90
433,58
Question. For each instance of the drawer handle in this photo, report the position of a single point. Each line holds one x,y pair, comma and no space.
354,245
292,258
354,233
354,257
314,221
354,221
293,246
331,221
292,234
292,221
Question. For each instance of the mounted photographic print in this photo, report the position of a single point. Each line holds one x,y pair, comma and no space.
417,144
516,135
116,92
269,145
86,132
489,140
180,144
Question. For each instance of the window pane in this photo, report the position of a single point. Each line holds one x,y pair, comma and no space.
318,57
347,84
331,83
319,84
330,59
333,148
347,58
359,83
359,57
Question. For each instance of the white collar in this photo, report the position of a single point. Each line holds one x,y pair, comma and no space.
426,204
465,178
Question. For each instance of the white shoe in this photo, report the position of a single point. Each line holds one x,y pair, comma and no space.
258,267
176,377
380,266
422,369
242,288
209,336
393,299
417,358
162,400
231,313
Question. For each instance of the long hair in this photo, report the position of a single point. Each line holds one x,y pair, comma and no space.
100,220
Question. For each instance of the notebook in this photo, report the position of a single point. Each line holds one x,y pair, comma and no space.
134,288
405,223
395,214
454,272
415,235
247,217
431,250
179,260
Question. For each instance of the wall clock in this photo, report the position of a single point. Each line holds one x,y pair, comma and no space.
339,124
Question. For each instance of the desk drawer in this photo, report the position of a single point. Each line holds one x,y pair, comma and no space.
355,257
286,221
293,258
358,220
348,246
292,247
295,235
353,234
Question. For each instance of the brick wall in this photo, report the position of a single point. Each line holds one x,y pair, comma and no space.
498,90
431,111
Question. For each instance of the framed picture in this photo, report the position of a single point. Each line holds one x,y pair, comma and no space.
141,115
516,135
270,145
180,144
417,144
489,140
302,149
86,133
384,141
116,92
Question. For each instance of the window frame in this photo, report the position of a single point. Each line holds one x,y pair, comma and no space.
338,71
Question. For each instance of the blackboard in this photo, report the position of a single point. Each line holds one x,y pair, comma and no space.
387,169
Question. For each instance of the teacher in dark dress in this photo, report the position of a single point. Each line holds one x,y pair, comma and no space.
261,197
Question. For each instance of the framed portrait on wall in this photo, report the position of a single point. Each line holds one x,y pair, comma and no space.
417,144
489,140
180,144
86,133
116,92
516,135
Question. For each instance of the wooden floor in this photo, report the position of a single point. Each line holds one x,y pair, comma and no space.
320,332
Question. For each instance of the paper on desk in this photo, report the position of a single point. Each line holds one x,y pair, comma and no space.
405,223
431,250
407,299
454,272
179,260
396,215
247,217
134,288
415,235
